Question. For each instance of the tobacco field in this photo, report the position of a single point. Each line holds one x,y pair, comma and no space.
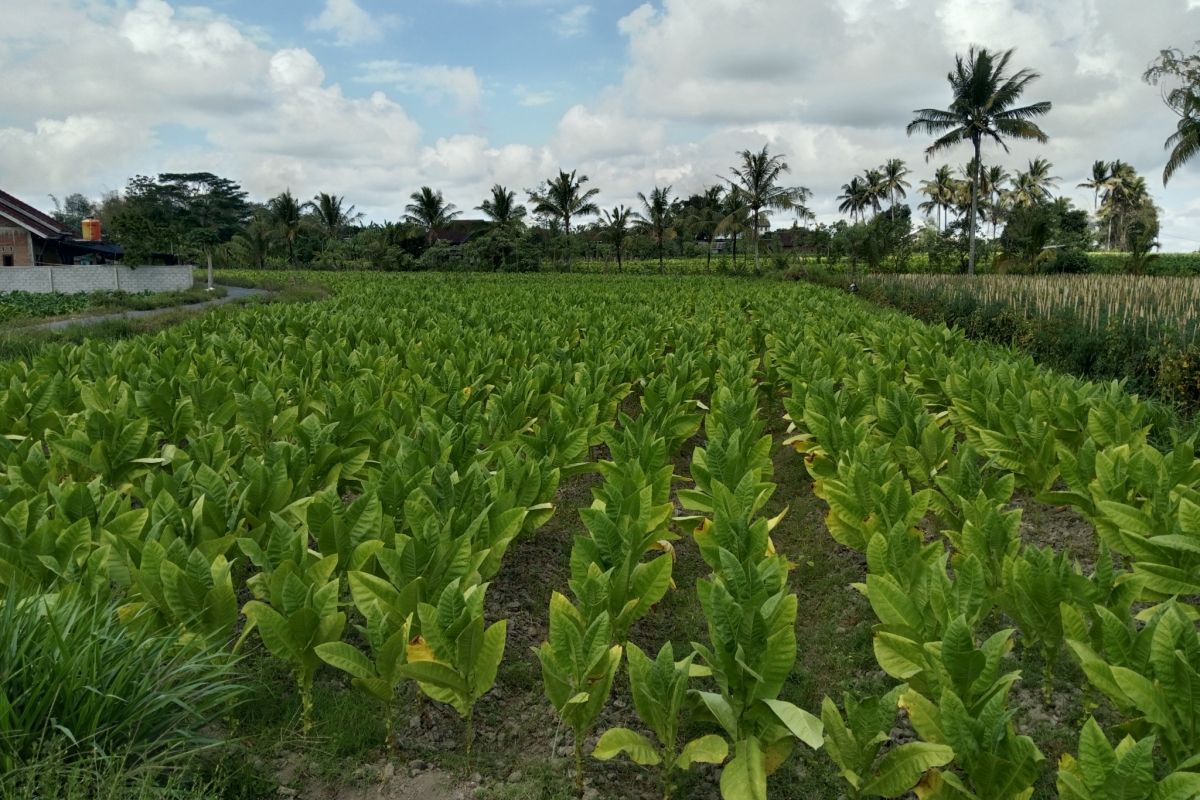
610,536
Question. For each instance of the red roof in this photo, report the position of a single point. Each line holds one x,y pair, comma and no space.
30,218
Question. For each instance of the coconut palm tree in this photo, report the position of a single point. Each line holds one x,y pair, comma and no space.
252,245
429,211
983,106
287,213
757,178
895,183
1100,176
995,178
1033,187
502,209
940,191
332,215
876,190
1184,100
705,217
656,218
854,198
737,219
562,198
614,227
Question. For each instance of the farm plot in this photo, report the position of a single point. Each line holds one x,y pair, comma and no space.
559,535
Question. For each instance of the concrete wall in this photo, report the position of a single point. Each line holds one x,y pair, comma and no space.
105,277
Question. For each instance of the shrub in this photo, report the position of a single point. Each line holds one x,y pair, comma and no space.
77,682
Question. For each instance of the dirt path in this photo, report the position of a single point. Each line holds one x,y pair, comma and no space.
233,293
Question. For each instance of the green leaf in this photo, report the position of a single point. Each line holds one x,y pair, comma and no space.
903,766
745,776
803,725
622,740
348,659
710,749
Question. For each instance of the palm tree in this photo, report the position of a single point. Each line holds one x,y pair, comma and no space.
332,215
657,219
757,178
1184,100
615,228
1125,198
562,198
875,188
706,216
288,215
994,180
1100,176
1033,187
854,198
983,107
940,191
502,209
737,220
430,211
895,173
253,245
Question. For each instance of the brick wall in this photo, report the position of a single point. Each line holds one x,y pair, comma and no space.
16,242
106,277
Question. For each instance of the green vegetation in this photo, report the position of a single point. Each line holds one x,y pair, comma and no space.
19,306
349,508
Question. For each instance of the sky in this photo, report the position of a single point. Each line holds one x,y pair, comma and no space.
372,99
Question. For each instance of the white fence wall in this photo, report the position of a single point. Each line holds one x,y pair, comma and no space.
100,277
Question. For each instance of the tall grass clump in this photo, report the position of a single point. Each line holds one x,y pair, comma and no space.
76,683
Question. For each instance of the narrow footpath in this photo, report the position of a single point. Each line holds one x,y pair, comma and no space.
232,293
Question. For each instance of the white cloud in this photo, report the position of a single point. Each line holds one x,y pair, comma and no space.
530,98
573,22
350,23
430,80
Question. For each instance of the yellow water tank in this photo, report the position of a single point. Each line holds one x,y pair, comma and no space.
91,230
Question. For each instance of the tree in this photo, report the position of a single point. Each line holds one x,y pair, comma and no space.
253,245
757,178
940,191
1100,176
615,228
1124,198
704,216
1183,98
657,219
995,178
983,106
332,214
73,210
562,198
288,215
736,221
430,211
895,183
1033,187
876,189
502,209
854,198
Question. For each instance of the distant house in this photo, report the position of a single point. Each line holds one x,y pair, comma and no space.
31,238
458,231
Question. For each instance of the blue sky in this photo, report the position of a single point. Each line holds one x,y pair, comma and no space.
372,100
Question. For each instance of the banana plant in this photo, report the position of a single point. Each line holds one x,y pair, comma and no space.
456,658
579,664
296,605
1124,772
854,742
659,688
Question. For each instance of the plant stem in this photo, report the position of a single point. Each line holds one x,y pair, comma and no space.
470,739
306,702
579,763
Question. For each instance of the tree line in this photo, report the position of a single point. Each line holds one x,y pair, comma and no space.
194,215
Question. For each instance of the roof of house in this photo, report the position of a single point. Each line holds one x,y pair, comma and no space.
30,218
458,231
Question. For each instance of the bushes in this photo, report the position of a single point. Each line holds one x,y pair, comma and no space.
76,682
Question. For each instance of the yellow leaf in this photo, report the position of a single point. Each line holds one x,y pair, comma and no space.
418,650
